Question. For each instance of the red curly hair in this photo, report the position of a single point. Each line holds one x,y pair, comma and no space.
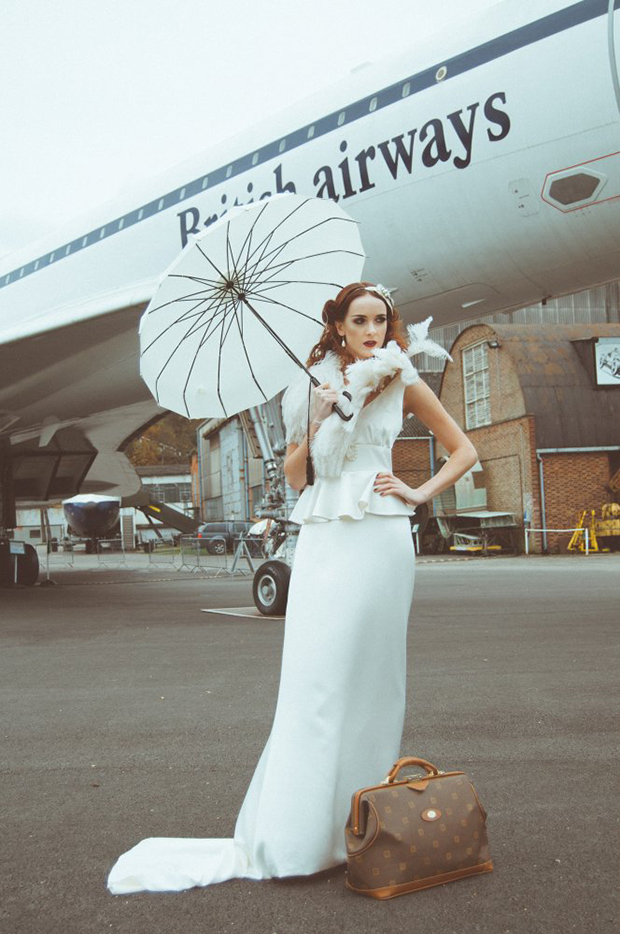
336,310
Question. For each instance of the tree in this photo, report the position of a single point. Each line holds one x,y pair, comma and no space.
171,440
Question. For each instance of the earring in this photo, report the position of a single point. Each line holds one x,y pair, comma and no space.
343,342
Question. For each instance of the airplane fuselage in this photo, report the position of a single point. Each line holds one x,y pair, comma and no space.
483,168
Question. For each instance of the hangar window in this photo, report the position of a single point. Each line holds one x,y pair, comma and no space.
476,385
171,492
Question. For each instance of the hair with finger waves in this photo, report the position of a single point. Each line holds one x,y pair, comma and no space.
336,310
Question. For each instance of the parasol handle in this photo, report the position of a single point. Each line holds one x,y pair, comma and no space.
337,409
242,297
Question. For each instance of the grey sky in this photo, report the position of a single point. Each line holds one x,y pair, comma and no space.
97,95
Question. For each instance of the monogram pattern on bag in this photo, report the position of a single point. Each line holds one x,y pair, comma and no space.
407,848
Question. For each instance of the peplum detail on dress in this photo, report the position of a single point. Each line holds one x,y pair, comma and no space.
352,494
349,496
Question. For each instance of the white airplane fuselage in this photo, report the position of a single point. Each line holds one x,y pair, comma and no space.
483,167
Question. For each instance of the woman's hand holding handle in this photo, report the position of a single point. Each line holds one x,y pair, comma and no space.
327,403
325,400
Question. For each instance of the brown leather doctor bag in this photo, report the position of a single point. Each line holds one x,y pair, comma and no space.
424,830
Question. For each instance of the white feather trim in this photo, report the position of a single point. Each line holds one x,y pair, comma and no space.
330,443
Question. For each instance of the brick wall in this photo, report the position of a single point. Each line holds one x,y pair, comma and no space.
506,396
507,447
573,482
411,460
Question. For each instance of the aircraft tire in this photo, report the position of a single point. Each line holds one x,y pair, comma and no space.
27,566
270,588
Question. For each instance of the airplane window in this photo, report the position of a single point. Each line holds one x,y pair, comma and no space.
373,105
121,223
68,250
229,171
140,214
406,89
341,117
255,158
310,131
181,194
441,73
21,272
205,182
282,145
36,265
160,204
85,240
51,259
102,233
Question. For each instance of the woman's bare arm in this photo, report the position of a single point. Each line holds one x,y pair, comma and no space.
420,400
295,461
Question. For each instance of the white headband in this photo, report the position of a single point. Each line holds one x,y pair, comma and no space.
382,292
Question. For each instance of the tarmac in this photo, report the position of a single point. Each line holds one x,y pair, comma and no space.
128,713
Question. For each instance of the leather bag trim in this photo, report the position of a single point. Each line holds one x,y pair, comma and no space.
391,891
358,794
354,853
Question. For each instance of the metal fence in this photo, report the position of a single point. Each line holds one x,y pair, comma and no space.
111,553
585,531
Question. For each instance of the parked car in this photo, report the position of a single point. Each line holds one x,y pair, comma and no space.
220,537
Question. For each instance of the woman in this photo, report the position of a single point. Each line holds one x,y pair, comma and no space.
341,701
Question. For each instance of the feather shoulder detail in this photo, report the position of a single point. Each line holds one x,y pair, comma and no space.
330,442
295,399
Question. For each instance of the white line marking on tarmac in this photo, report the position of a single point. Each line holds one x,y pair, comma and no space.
250,611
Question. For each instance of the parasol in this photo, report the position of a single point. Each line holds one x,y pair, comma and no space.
242,303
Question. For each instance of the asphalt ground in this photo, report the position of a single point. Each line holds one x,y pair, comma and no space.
128,713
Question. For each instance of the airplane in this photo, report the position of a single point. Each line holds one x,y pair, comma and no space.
483,166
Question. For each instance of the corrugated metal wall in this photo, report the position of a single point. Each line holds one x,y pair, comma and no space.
589,307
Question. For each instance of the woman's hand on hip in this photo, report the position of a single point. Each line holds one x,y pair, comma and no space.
386,483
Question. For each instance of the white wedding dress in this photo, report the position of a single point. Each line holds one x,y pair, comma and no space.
341,701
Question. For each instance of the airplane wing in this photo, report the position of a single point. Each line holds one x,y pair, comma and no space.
483,168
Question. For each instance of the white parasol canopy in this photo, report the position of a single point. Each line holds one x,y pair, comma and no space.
242,304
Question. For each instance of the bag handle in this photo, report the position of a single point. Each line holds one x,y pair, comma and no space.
409,760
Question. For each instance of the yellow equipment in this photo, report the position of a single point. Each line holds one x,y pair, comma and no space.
578,538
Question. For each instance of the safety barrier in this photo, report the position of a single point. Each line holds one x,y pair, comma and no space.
55,556
162,553
194,556
111,553
586,532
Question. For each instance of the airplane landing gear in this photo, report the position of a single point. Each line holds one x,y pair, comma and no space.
18,568
270,588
